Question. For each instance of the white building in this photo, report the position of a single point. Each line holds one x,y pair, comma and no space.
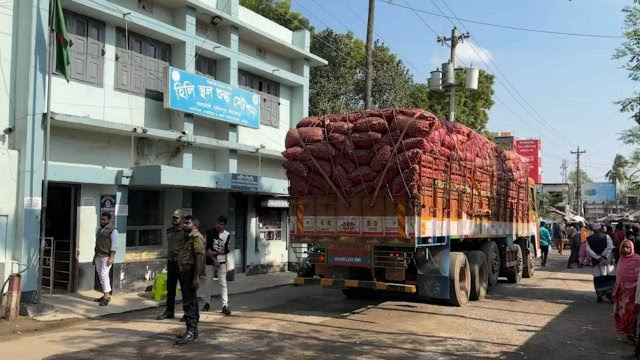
111,135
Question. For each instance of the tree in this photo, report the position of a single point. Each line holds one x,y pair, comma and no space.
340,86
573,179
618,173
280,12
472,106
630,51
393,84
335,88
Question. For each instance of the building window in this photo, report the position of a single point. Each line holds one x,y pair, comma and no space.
144,223
270,224
270,94
206,67
86,47
142,69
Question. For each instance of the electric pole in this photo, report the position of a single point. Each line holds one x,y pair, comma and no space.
454,40
369,75
563,173
578,179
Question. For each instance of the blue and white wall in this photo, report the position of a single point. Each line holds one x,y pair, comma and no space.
96,132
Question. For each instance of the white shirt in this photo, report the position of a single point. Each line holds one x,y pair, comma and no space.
218,245
605,267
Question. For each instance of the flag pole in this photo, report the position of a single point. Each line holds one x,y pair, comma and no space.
45,176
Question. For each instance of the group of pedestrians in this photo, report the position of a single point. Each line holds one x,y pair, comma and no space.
613,255
190,257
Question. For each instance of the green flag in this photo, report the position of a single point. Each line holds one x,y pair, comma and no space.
62,41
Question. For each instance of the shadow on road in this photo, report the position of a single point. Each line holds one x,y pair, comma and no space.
554,316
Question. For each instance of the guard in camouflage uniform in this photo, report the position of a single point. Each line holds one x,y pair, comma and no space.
189,263
175,241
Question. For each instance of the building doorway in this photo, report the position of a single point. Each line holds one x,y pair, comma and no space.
59,270
240,245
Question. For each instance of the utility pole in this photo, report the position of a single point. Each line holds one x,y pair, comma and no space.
454,40
578,179
369,49
563,173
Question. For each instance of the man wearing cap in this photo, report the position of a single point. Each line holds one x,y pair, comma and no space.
175,241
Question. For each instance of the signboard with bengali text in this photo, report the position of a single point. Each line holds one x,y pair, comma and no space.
532,150
202,96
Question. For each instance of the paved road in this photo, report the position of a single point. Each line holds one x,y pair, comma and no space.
553,316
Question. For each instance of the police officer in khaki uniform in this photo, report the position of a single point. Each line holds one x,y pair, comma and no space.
189,263
176,237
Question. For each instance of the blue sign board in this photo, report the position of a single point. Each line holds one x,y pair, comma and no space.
205,97
598,191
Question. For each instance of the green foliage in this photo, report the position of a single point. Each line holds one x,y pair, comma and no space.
629,51
392,83
573,179
472,106
335,88
278,11
339,87
618,173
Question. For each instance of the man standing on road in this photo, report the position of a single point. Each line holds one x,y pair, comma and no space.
189,262
574,240
175,241
545,241
216,251
105,250
599,247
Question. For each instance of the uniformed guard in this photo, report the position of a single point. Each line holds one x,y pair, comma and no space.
189,264
176,237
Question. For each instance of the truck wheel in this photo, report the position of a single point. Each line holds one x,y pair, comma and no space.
492,254
515,273
529,265
479,276
459,279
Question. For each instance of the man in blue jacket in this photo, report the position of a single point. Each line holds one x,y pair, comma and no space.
545,241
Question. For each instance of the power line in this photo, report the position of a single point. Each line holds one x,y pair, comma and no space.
539,118
550,32
464,64
400,55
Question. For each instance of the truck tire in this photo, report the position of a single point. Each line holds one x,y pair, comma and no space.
515,273
479,276
529,268
492,254
459,279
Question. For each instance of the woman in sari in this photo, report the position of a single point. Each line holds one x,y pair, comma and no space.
625,310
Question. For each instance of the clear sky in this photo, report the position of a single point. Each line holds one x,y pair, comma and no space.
570,83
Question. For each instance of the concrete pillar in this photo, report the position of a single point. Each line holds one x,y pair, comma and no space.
300,94
190,66
229,7
228,72
29,71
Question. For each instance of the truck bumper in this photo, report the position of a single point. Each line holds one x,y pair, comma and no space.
374,285
299,281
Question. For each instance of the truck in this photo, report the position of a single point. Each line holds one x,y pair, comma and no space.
401,200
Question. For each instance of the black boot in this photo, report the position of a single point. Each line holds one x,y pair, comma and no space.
165,315
190,336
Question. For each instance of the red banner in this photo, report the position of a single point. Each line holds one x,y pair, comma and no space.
532,150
